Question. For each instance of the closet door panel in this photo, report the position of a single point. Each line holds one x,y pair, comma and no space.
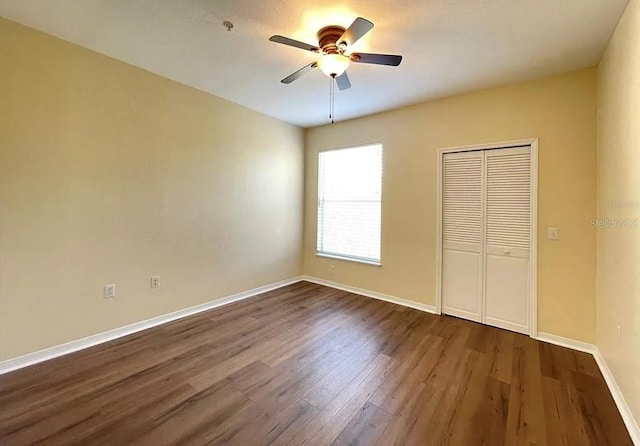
507,288
461,284
508,233
462,213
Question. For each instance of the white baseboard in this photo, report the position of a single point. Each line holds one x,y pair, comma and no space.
373,294
618,397
566,342
12,364
623,407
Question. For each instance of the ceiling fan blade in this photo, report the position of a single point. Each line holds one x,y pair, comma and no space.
377,59
358,28
302,71
294,43
343,82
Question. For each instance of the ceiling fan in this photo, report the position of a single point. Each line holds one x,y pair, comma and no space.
334,47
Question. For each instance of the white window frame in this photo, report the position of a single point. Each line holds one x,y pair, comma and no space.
339,256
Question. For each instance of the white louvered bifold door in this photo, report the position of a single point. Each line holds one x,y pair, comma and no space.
462,235
508,233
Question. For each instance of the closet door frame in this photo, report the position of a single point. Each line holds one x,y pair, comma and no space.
533,261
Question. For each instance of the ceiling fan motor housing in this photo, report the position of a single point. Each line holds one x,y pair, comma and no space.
328,39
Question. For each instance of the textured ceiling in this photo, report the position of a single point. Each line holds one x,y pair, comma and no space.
449,46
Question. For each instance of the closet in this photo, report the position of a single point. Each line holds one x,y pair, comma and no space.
487,236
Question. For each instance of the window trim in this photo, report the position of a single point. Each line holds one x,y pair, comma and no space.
362,260
330,255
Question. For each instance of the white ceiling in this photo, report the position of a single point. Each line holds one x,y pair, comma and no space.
449,46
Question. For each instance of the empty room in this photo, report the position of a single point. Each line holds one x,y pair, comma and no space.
237,222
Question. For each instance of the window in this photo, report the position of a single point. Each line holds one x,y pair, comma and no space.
349,197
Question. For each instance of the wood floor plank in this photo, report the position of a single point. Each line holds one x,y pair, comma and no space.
364,428
306,364
260,421
407,374
564,422
489,423
330,421
555,362
325,390
446,403
280,429
465,400
525,419
285,385
501,356
594,400
121,421
196,419
410,415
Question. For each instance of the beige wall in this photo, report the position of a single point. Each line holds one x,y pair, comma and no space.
110,174
560,111
220,204
618,278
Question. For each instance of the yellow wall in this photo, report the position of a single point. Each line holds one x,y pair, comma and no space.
618,278
560,111
110,174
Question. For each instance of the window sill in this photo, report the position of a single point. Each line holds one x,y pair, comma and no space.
348,259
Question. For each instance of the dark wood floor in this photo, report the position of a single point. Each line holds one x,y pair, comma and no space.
311,365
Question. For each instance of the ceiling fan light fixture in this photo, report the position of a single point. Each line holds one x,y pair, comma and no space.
333,65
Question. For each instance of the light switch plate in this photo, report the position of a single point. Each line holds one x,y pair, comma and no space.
553,234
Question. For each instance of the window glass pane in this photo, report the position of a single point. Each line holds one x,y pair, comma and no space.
349,198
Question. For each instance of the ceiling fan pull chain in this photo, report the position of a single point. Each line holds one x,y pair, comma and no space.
332,90
331,99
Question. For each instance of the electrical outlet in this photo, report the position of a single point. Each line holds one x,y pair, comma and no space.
553,233
155,281
332,269
109,291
